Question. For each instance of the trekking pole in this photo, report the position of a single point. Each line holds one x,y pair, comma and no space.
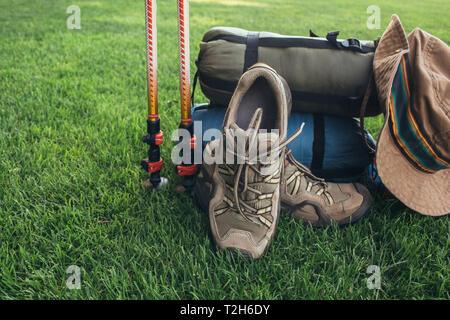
154,137
189,169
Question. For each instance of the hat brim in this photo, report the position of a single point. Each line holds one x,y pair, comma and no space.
428,194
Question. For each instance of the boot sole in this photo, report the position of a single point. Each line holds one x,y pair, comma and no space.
356,216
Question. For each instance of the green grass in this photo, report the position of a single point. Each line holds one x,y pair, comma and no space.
72,113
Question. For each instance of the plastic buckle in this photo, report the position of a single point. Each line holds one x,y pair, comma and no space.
188,170
152,166
352,43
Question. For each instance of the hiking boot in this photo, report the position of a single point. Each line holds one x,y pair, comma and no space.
242,196
313,200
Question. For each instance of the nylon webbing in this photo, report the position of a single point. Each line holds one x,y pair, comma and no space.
251,52
318,147
288,42
350,103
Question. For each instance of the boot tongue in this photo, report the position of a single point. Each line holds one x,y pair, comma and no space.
252,149
269,160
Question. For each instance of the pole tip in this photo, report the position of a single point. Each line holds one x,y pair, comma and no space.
161,185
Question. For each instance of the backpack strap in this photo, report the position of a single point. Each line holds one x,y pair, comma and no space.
312,34
251,52
363,112
194,85
318,147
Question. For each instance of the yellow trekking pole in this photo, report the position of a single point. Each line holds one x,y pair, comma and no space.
186,169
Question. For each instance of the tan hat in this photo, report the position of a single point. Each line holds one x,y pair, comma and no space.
412,75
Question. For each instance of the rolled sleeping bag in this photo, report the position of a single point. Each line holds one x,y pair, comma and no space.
325,75
331,146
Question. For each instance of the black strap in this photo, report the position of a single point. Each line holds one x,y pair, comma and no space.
194,85
350,103
352,44
318,148
287,42
332,38
312,34
362,113
251,52
339,173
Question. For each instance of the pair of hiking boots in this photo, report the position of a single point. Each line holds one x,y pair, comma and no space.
248,174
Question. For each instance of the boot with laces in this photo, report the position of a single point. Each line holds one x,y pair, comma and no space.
313,200
242,196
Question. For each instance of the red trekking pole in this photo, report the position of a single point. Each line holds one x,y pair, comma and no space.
185,169
154,137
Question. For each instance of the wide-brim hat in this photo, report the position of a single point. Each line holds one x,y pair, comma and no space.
412,76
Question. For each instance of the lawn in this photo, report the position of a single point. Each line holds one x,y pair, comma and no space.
72,114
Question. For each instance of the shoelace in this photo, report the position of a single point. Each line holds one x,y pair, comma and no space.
323,186
254,124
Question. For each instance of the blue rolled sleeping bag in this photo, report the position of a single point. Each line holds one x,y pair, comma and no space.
331,146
